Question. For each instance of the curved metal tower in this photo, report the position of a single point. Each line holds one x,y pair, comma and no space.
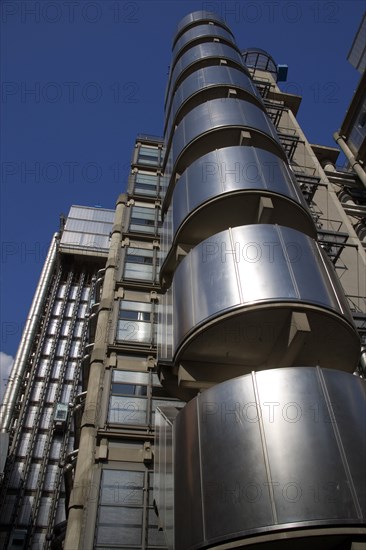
271,457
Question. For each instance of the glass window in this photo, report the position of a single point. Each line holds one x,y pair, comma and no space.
61,291
146,184
32,479
139,264
129,389
94,214
70,370
66,393
56,368
69,310
130,383
57,307
128,402
100,228
122,508
44,510
51,392
65,328
61,347
42,368
141,309
120,487
133,331
134,323
143,219
148,155
127,410
82,311
123,528
36,391
26,510
55,449
45,420
41,445
130,377
75,348
51,329
48,346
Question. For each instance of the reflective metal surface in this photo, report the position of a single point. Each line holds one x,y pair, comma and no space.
225,188
218,114
199,16
11,396
237,297
198,32
274,450
208,77
200,53
165,326
164,470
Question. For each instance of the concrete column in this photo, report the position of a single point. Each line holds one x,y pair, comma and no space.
83,489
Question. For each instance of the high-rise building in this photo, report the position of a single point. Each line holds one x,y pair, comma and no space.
36,420
191,372
351,136
357,54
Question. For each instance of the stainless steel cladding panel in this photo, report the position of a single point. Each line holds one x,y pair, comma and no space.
165,327
235,296
182,456
274,450
164,470
197,16
218,114
198,32
208,77
200,53
223,188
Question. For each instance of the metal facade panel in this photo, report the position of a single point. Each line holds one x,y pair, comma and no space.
204,78
198,32
260,275
219,114
271,456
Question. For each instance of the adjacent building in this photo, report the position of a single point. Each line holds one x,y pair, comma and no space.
357,54
191,374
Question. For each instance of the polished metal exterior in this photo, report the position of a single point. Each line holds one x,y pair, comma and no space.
10,399
202,53
199,17
235,293
270,457
164,469
270,451
205,80
225,188
206,32
211,117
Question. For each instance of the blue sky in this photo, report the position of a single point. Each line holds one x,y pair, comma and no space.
81,78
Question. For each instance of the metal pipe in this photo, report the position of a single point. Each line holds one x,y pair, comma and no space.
27,339
363,360
355,165
79,397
